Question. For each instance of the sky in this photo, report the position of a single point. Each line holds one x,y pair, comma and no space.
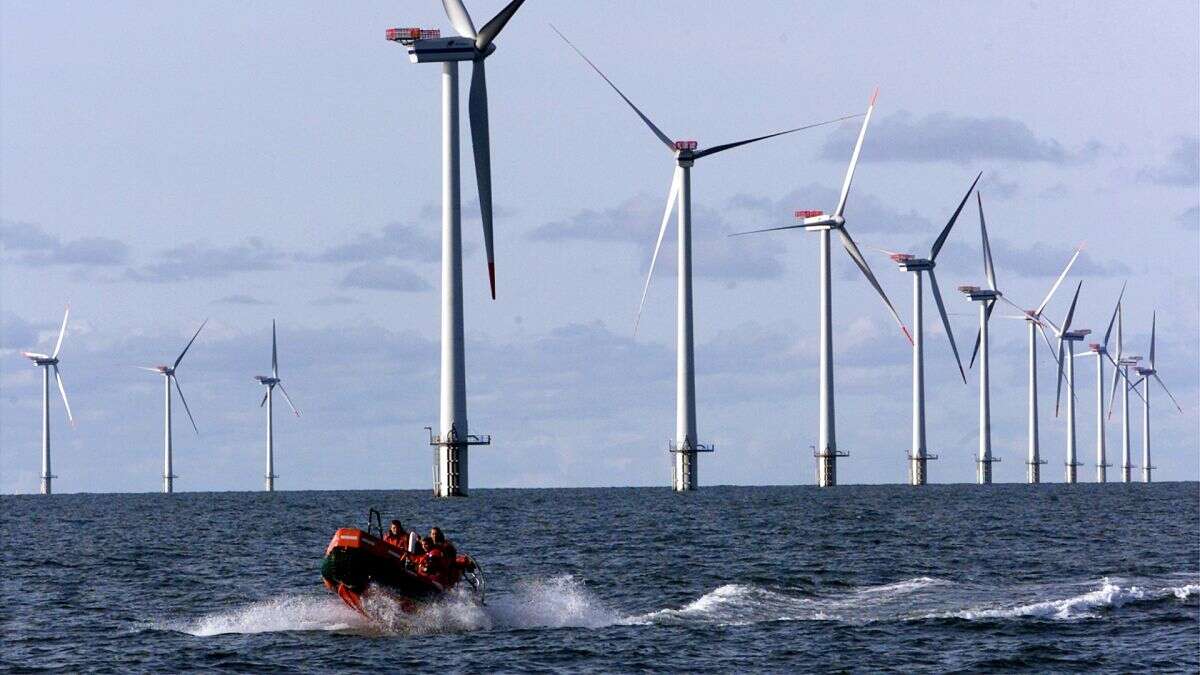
164,163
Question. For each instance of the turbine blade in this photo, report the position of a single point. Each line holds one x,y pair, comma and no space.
987,316
264,401
1014,306
61,333
1116,380
857,256
151,370
481,145
728,146
189,344
1153,326
672,197
1046,338
1113,319
492,28
459,18
937,297
1058,385
941,240
288,399
1164,388
766,229
274,352
862,133
63,390
185,405
1046,300
1066,326
657,132
988,267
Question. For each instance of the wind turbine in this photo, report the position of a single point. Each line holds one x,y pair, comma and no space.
686,444
168,373
1124,363
46,362
1068,337
986,297
1100,351
919,456
1146,374
427,46
270,382
1036,322
826,450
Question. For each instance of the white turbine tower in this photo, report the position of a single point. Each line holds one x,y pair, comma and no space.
47,362
1067,338
986,297
1100,351
686,443
919,456
427,46
168,373
270,382
1146,374
826,450
1036,322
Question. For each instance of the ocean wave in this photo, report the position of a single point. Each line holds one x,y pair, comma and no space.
1111,594
557,602
284,613
738,604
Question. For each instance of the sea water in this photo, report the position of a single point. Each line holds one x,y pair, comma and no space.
726,579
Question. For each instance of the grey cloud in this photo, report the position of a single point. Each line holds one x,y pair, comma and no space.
240,299
36,247
864,212
384,277
636,221
1190,219
16,332
1037,260
393,241
1182,167
201,260
332,301
902,137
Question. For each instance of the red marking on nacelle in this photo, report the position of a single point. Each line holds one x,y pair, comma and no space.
409,35
809,213
686,145
901,257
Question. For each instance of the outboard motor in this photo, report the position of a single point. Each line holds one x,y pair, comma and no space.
412,542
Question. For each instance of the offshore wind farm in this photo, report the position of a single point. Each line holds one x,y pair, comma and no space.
318,193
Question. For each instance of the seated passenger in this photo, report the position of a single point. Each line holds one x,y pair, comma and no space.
432,562
396,535
440,541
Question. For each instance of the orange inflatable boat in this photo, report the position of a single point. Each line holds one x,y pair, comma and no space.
357,563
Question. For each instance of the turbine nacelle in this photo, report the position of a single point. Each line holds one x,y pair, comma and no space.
977,294
1145,372
267,380
40,359
911,263
433,50
813,220
162,370
1097,348
1129,360
1076,335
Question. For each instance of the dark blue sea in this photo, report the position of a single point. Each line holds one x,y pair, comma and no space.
950,578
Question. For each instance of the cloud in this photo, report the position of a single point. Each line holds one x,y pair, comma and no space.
636,220
332,301
1190,219
864,212
34,246
1182,167
240,299
1037,260
393,241
384,277
943,137
200,260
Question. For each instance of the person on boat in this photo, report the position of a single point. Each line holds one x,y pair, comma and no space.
432,562
455,564
396,535
440,541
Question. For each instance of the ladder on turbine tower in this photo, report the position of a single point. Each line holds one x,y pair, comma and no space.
454,442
